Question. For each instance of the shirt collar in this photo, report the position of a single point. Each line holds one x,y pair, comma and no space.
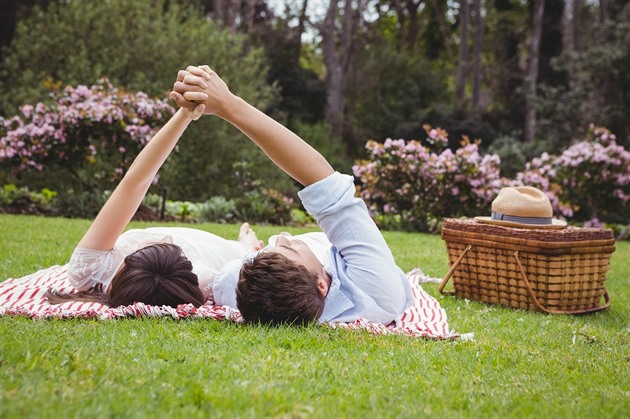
336,302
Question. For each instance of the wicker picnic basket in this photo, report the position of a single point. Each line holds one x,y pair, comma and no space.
554,271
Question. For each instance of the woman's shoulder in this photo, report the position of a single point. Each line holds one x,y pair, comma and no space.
90,267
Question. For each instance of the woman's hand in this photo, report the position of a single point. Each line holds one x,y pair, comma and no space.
200,86
192,105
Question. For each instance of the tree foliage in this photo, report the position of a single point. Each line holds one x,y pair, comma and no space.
141,45
598,85
339,72
393,91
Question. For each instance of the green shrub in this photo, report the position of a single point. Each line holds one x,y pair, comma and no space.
391,91
183,210
139,44
153,200
264,206
300,217
514,153
217,210
23,201
80,202
318,135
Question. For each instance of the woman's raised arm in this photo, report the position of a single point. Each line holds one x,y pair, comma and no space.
123,203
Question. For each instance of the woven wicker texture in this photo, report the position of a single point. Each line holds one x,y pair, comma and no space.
555,271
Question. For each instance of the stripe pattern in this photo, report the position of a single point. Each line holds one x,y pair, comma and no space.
494,215
25,297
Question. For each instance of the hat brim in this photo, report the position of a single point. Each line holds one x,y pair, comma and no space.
555,224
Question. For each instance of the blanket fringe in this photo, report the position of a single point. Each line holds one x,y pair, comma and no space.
25,297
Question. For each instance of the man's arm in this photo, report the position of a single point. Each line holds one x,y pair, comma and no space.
288,151
367,260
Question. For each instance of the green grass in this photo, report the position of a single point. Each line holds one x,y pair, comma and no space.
521,364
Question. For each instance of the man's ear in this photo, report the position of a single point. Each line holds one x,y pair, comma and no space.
322,287
323,282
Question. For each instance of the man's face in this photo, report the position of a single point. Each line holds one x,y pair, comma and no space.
298,252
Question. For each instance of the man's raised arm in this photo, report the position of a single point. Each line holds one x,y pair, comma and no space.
288,151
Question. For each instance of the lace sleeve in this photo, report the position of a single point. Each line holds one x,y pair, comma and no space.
88,267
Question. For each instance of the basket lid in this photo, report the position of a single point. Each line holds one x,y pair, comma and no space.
572,238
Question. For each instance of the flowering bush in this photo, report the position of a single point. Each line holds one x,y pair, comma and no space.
408,182
589,181
91,132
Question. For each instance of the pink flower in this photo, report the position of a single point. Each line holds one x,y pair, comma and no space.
27,110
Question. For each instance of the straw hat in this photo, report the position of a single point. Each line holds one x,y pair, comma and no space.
522,207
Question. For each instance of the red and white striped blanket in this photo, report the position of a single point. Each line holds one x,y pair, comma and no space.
25,297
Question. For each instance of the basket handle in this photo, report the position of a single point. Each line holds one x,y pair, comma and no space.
530,291
451,271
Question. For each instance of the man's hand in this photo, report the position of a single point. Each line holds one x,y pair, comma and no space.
192,104
198,86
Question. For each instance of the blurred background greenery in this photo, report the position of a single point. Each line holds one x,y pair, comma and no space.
338,72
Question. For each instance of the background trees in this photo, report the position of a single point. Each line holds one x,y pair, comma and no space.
69,43
524,76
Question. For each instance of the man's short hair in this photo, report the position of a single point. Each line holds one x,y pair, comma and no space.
272,289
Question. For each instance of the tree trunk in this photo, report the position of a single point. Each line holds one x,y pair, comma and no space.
439,16
412,31
603,11
301,27
462,65
551,44
400,16
8,21
531,78
476,93
248,11
225,12
576,25
407,18
334,72
337,51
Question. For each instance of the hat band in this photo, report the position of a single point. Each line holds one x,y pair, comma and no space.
523,220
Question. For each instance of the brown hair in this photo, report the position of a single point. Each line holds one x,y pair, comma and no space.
157,275
273,289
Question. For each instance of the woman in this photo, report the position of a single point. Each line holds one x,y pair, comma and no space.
155,266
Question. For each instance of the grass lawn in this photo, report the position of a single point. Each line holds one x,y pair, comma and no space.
521,364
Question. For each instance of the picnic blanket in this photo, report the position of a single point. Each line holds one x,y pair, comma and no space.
25,297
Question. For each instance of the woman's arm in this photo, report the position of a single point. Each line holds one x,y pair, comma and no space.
288,151
123,203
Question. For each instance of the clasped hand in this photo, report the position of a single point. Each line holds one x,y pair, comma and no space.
201,91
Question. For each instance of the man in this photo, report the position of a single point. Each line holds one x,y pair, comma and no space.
345,273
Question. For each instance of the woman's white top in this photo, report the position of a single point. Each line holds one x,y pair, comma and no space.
207,252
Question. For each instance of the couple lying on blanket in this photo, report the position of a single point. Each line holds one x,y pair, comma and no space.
343,274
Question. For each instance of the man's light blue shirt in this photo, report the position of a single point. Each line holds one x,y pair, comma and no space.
366,282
